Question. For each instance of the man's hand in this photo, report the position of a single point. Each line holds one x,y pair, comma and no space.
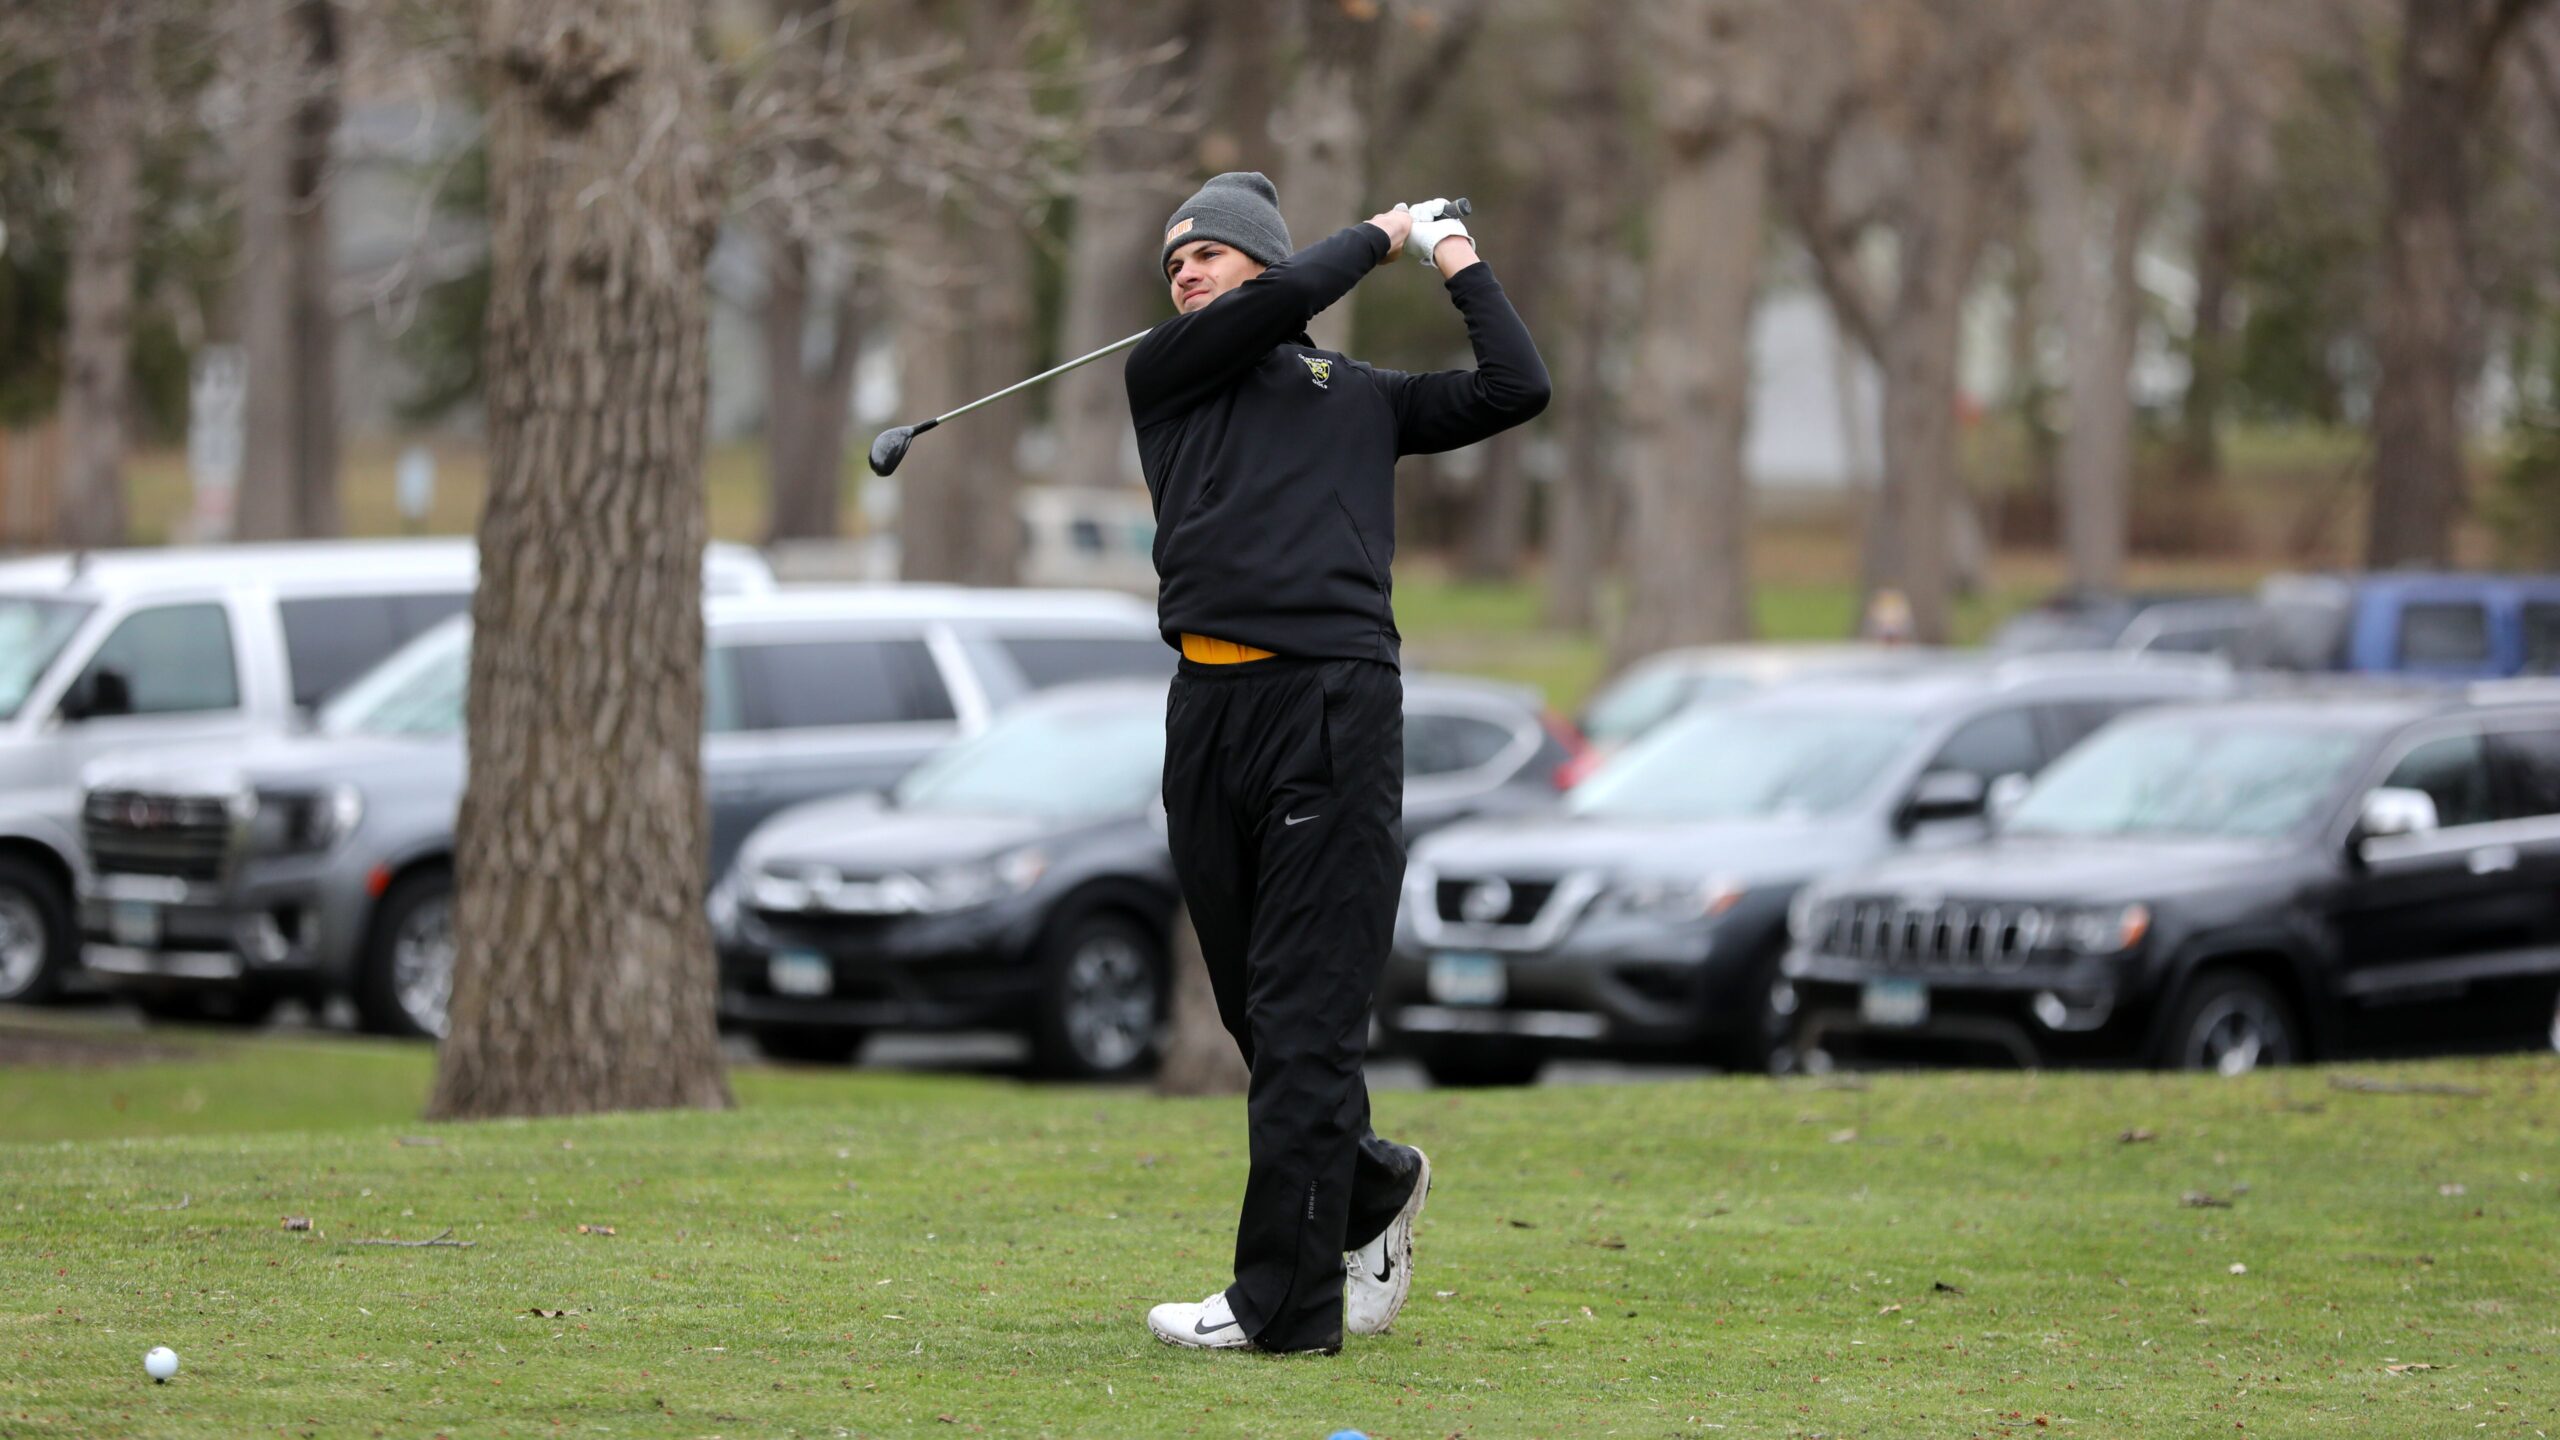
1439,222
1398,223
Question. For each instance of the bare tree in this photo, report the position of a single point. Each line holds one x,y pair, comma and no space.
1689,531
584,977
1580,528
2448,63
101,77
1898,138
1135,170
808,404
2106,97
289,62
1200,1057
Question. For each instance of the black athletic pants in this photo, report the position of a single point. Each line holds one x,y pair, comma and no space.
1284,799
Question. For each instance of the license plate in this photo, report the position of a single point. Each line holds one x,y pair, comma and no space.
135,923
1468,980
797,972
1900,1003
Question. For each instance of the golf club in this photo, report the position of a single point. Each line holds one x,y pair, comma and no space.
891,446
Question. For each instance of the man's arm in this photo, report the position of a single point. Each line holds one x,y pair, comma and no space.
1191,357
1444,409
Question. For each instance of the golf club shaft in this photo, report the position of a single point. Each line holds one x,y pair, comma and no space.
1113,348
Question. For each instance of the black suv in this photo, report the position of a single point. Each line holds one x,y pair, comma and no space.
1647,917
2220,888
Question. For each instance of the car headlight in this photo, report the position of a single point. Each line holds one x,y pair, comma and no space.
957,887
2103,929
1672,900
305,822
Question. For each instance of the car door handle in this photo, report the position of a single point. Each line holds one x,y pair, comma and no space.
2492,860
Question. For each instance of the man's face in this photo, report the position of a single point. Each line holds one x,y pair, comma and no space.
1206,269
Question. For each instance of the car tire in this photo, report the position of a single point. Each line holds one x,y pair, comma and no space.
244,1009
406,980
1765,1043
811,1044
39,942
1482,1064
1102,997
2233,1022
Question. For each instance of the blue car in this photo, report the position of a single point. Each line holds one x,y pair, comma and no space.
2426,626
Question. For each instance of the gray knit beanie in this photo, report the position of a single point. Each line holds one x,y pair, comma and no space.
1238,208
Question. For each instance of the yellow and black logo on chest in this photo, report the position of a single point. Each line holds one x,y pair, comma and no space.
1320,370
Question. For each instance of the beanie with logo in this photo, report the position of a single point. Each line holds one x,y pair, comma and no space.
1239,208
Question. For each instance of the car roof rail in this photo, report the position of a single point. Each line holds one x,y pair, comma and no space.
2021,669
2514,690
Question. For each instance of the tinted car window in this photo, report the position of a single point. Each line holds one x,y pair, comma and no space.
2000,743
2542,637
2444,634
2533,772
817,684
1447,744
2454,772
2068,723
331,639
1047,660
175,660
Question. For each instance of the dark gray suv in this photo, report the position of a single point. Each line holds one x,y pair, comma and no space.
1649,918
319,864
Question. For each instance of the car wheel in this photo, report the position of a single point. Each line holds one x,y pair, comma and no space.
1102,998
811,1044
1764,1042
37,943
2232,1022
1481,1064
407,981
206,1007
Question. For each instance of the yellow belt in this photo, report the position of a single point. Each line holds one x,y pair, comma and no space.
1203,650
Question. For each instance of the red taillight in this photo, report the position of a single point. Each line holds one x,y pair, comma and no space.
1580,758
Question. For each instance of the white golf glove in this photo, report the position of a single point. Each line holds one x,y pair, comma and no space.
1433,222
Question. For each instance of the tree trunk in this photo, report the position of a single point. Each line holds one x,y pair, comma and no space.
1241,41
2094,296
1908,544
1130,181
1200,1057
1578,534
106,184
2220,197
2426,294
1322,134
966,337
267,506
314,51
584,977
806,411
1689,528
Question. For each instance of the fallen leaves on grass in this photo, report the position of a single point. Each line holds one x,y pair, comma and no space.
2239,1269
1842,1137
1941,1287
2412,1367
1609,1243
596,1230
2137,1135
1520,1225
2365,1085
2199,1200
1889,1309
2451,1190
547,1314
427,1140
297,1222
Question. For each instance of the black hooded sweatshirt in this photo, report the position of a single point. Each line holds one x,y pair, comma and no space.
1272,463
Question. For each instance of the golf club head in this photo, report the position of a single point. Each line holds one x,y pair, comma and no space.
891,447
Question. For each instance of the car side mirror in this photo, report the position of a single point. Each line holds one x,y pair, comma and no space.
102,691
1945,795
2005,795
2391,811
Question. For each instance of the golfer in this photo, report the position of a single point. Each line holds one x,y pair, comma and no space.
1272,468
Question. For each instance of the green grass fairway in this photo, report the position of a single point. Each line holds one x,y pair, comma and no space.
883,1255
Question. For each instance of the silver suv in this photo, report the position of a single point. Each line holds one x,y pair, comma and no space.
113,650
319,864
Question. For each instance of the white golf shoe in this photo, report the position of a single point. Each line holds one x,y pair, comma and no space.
1209,1325
1379,1275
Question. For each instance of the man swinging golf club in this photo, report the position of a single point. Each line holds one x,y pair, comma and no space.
1272,468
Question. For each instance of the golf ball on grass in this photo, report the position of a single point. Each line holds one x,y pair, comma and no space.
161,1363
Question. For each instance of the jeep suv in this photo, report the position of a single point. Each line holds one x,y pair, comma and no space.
318,864
114,650
2219,888
1647,918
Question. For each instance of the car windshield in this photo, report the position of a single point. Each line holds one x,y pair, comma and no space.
1070,761
2188,777
1642,701
33,631
417,689
1752,762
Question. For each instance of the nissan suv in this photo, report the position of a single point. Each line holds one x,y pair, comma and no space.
319,864
2274,880
1648,917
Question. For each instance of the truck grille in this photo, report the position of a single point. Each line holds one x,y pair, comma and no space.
1526,898
1942,935
138,832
